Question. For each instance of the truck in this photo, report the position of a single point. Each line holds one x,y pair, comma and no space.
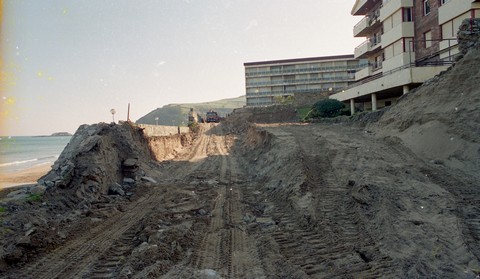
212,116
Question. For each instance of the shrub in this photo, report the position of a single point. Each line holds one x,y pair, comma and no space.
33,198
327,108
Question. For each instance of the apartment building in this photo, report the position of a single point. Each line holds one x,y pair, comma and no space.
308,79
407,42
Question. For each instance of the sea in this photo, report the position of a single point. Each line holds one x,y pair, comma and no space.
21,153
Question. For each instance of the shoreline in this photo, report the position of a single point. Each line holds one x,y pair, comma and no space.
27,176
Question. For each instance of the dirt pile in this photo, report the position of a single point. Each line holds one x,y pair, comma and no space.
393,194
102,169
440,121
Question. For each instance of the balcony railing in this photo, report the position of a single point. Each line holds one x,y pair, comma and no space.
363,26
292,91
301,81
304,70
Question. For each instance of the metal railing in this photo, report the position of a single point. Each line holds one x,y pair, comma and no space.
279,93
305,70
301,81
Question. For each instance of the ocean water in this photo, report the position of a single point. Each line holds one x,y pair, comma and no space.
20,153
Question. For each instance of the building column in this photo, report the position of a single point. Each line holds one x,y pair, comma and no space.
374,102
352,106
406,89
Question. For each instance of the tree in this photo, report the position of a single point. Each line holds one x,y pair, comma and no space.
326,108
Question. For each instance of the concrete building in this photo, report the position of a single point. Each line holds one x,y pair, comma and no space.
306,79
407,42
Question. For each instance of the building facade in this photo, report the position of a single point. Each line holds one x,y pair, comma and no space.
407,42
270,82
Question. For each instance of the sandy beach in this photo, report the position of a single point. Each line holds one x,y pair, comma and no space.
28,176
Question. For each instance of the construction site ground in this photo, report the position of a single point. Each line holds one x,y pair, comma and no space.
393,194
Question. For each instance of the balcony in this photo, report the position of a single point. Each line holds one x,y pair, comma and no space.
402,30
369,46
367,24
391,7
363,73
453,9
398,61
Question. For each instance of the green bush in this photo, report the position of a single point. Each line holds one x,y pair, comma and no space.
33,198
2,209
327,108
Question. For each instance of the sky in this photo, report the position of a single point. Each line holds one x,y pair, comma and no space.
65,63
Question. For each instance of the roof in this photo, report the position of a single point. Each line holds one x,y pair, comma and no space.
299,60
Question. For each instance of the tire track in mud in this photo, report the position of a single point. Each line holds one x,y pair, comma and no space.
99,253
331,243
464,190
75,259
224,247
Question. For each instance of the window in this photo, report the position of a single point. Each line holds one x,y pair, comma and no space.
442,2
407,14
428,39
378,61
426,7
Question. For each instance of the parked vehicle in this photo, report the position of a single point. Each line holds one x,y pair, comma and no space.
212,116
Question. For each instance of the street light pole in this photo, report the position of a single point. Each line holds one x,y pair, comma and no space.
112,111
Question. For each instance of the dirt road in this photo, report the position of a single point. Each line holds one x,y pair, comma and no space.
281,201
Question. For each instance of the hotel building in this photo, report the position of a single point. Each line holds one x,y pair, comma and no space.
407,42
307,79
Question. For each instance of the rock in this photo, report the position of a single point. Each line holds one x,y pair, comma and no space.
202,212
249,218
49,184
38,190
140,248
62,234
208,273
130,162
148,179
30,231
130,168
24,241
116,189
128,180
265,221
18,194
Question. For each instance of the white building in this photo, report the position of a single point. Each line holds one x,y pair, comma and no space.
407,42
267,82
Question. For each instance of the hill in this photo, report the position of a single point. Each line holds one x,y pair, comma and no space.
176,114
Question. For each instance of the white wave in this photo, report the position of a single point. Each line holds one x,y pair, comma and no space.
49,159
17,163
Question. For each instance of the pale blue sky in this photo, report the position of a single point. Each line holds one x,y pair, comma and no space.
68,62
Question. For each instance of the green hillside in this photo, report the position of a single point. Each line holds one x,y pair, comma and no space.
176,114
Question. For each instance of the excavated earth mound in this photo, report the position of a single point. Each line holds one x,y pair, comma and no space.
102,169
440,121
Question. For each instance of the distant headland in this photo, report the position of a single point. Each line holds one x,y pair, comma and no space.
61,134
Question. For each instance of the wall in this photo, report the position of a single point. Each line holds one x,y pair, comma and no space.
157,130
423,24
